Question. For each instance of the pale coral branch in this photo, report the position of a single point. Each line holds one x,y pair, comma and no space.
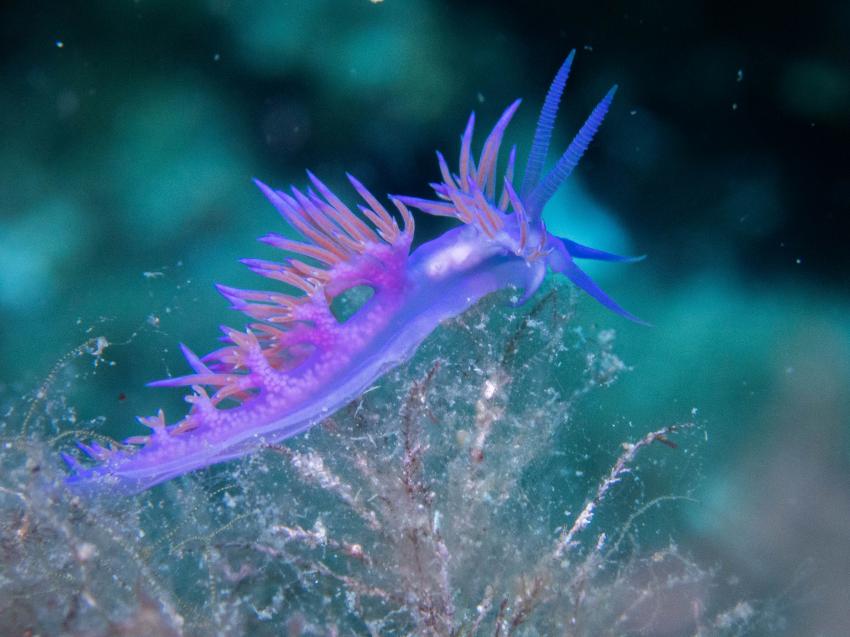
413,450
482,610
318,536
526,601
352,550
488,410
443,555
311,468
566,540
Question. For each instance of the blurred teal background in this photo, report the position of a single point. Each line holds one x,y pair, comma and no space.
131,130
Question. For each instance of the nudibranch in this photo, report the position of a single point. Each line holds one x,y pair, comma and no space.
298,363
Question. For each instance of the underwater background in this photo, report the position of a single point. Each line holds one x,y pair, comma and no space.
130,133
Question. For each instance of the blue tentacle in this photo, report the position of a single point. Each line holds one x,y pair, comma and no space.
545,125
581,279
569,160
579,251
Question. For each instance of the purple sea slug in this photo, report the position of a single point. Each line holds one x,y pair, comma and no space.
299,363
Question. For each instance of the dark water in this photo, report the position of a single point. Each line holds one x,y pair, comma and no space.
130,132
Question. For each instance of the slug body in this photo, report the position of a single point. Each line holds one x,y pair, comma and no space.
299,363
